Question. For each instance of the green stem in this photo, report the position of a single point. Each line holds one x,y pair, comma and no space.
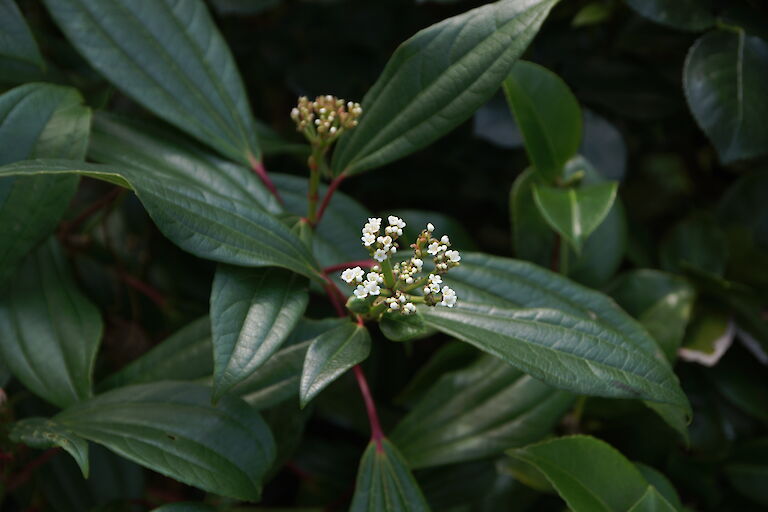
314,183
389,276
417,283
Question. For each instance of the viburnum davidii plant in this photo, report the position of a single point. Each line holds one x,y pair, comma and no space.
216,298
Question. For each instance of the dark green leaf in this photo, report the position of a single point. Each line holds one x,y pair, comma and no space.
748,470
201,221
709,335
575,213
548,115
567,352
476,412
652,501
37,121
437,79
592,14
532,237
604,147
185,355
186,506
330,355
725,78
692,15
416,220
243,7
252,313
661,483
384,483
18,49
172,428
43,434
697,243
49,331
403,328
170,58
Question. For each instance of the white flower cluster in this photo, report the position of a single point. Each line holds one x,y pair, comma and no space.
389,287
325,117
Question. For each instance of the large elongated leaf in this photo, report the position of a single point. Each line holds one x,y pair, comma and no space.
37,121
477,412
43,433
253,311
565,351
172,428
169,56
18,50
725,79
548,115
384,483
330,355
437,79
201,221
49,331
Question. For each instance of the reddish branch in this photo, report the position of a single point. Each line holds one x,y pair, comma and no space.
328,195
258,167
151,293
25,474
104,201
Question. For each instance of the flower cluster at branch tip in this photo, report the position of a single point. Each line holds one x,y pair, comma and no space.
390,287
325,118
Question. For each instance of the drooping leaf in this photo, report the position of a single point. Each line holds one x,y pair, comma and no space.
185,355
652,501
477,412
708,336
19,54
575,213
589,474
330,355
437,79
548,116
42,433
36,121
567,352
49,331
725,78
253,311
172,428
169,57
691,15
200,220
384,483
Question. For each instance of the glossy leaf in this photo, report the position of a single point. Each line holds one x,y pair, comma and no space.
253,311
185,355
603,145
201,221
384,483
589,474
37,121
437,79
172,428
169,57
42,433
49,331
567,352
652,501
692,15
575,213
548,115
532,237
18,49
330,355
725,78
477,412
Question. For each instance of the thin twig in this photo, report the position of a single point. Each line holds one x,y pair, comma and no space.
30,468
329,194
258,167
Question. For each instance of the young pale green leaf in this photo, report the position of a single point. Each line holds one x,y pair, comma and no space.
330,355
49,331
253,311
652,501
172,428
19,53
547,114
437,79
169,57
185,355
384,482
575,212
567,352
691,15
200,220
42,433
37,121
725,79
589,474
477,412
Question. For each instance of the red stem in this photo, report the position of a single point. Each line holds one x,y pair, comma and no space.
97,205
139,285
328,195
30,468
261,172
346,265
370,407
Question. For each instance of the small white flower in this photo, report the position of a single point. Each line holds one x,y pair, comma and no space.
433,248
396,222
453,256
445,239
352,274
393,249
380,255
394,305
385,240
375,277
434,288
360,292
418,263
435,279
371,287
409,308
443,248
368,239
403,298
449,297
430,227
409,280
427,291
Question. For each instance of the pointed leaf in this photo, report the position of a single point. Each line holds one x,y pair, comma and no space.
384,483
201,221
477,412
330,355
169,57
19,54
49,331
652,501
725,79
548,115
42,433
575,213
172,428
437,79
253,311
